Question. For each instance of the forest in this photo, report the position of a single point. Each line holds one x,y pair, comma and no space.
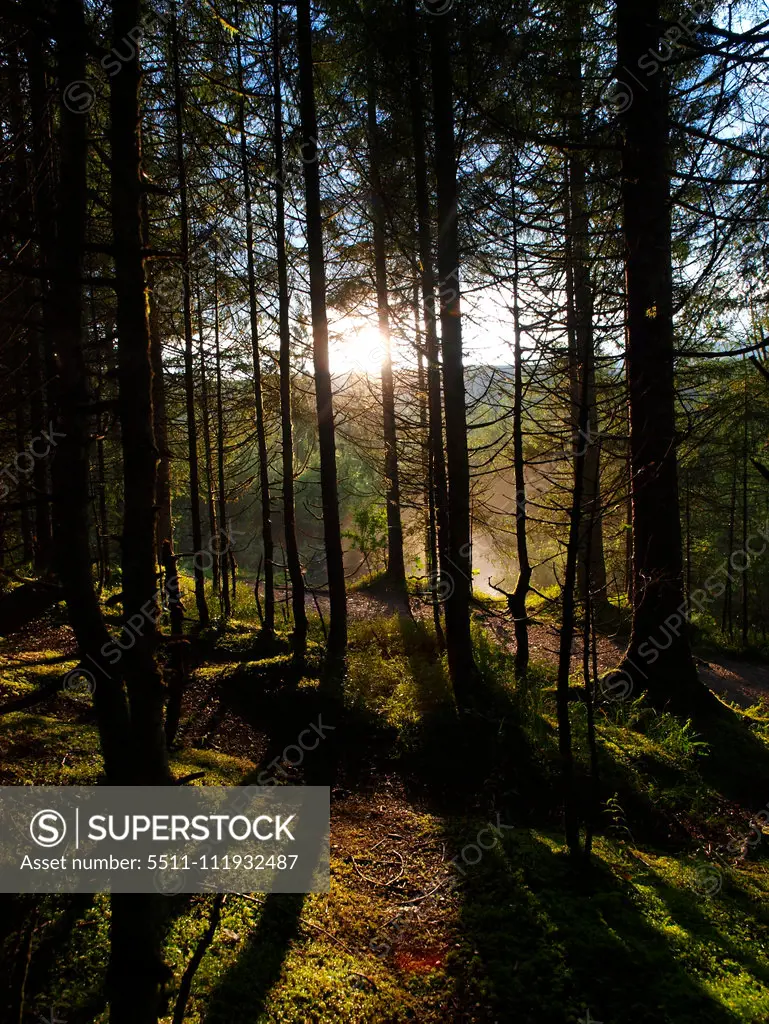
397,376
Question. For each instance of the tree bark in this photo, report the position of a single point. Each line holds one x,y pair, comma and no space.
136,968
396,567
189,382
268,623
658,658
207,448
70,470
517,600
299,639
45,222
427,283
224,533
591,574
164,529
458,556
337,638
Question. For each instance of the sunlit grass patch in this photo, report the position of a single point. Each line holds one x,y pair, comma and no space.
43,751
395,672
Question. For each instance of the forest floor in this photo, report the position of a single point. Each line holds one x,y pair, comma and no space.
451,896
741,681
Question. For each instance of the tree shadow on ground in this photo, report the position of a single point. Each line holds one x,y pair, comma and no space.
242,992
546,943
738,761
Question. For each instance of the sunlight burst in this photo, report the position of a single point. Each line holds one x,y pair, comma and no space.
357,348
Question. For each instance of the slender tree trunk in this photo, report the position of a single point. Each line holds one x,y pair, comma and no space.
396,567
189,381
136,960
517,600
45,222
458,556
745,513
299,640
424,238
207,449
64,325
102,522
139,556
591,577
568,623
223,539
337,639
728,612
432,562
657,556
160,420
268,624
688,517
22,488
22,334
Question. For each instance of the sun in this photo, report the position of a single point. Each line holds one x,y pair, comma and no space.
356,347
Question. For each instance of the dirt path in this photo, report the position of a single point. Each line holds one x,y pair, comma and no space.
744,683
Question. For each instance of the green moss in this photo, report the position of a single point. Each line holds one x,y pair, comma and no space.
485,921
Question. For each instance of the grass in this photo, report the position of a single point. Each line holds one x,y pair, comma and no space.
451,896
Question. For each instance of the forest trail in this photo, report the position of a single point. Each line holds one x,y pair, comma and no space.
740,681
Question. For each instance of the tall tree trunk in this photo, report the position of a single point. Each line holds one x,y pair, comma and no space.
517,600
215,533
64,325
23,333
299,639
268,623
44,219
657,557
427,282
164,530
22,488
458,557
727,620
396,567
568,623
102,421
136,961
432,562
745,511
337,638
145,690
223,540
591,577
189,381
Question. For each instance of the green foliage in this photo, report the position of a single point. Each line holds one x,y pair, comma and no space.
370,535
515,934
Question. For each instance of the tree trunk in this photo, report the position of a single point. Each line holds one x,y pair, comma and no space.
337,638
164,529
207,449
44,219
568,622
136,967
268,623
517,600
745,512
591,576
458,556
223,539
727,619
63,315
659,640
435,412
396,567
299,639
189,381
